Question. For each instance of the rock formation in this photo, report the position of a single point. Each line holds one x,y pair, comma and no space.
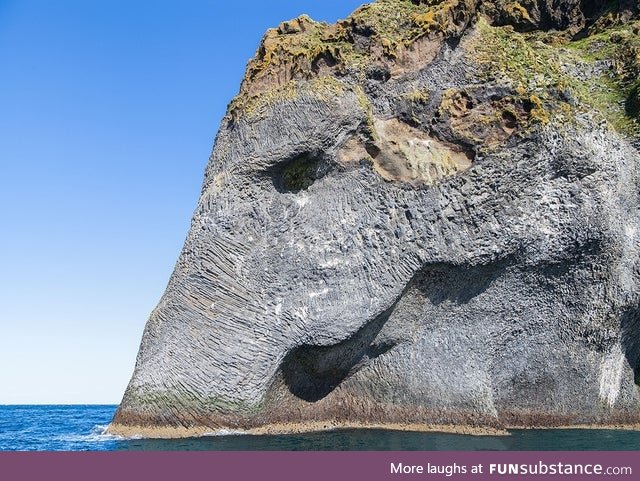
425,214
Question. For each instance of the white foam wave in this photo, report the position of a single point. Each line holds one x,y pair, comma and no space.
225,432
97,434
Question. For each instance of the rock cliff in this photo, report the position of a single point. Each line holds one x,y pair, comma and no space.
425,214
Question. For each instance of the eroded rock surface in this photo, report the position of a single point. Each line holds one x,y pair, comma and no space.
424,214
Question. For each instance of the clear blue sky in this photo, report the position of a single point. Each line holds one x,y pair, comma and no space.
108,110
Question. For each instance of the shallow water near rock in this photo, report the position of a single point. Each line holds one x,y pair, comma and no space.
80,428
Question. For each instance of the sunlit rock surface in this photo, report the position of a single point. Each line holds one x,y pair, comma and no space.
423,215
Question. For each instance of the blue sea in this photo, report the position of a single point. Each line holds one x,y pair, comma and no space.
81,428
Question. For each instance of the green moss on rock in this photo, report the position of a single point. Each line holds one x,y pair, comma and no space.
592,73
613,54
632,104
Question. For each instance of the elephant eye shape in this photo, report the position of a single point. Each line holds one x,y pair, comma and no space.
299,173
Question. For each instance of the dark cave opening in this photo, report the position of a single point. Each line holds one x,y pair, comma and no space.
299,173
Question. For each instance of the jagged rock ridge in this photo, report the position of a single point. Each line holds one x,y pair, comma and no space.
425,214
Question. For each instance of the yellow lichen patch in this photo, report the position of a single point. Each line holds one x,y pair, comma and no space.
517,13
448,17
409,155
389,47
454,103
325,88
538,112
253,105
426,20
420,96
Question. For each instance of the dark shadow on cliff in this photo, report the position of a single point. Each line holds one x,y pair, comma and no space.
630,327
457,283
311,372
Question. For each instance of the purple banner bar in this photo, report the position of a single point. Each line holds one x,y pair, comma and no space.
319,466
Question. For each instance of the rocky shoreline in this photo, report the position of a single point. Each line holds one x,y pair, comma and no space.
295,428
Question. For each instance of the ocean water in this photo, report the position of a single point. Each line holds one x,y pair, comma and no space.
81,428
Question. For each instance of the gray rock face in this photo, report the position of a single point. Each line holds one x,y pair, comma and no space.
357,256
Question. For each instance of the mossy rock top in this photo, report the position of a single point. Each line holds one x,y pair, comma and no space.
539,50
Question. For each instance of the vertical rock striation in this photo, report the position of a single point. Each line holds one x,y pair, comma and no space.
424,214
